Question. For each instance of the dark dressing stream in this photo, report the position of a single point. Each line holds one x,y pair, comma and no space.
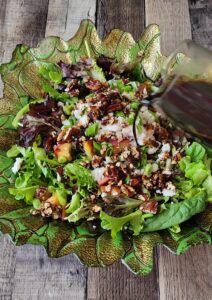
189,104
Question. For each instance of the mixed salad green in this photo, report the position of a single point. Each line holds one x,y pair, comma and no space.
88,151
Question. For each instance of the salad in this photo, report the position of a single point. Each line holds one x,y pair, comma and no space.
89,151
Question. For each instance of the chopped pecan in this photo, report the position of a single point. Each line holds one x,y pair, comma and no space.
114,107
115,191
134,181
161,133
94,85
42,193
149,207
104,181
94,113
127,190
143,90
177,157
96,161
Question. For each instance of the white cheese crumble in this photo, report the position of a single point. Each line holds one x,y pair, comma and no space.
108,160
152,150
128,131
61,104
170,190
77,113
58,177
146,116
84,120
154,167
17,165
98,173
144,136
166,148
66,123
168,193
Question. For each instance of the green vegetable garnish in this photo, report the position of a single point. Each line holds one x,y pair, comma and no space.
92,130
89,173
75,203
81,175
176,213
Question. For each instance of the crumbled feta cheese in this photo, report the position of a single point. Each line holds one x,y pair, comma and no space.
152,150
84,120
66,123
98,173
109,128
77,113
139,172
108,160
82,106
146,116
58,177
170,190
170,186
168,193
104,195
17,165
61,104
167,172
120,119
154,167
166,148
128,131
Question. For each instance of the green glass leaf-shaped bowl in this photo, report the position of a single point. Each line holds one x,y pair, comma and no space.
21,78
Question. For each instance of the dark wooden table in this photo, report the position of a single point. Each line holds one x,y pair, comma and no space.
26,273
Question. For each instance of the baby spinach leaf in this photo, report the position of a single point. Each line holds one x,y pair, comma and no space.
176,213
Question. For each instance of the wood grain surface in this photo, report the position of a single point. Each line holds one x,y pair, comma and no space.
128,15
185,277
201,21
116,282
64,16
173,19
26,272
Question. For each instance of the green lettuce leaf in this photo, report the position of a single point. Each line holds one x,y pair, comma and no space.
196,152
176,213
75,203
80,175
15,150
207,184
116,224
81,212
51,72
26,193
97,73
19,115
196,171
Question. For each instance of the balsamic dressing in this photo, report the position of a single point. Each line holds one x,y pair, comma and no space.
189,103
